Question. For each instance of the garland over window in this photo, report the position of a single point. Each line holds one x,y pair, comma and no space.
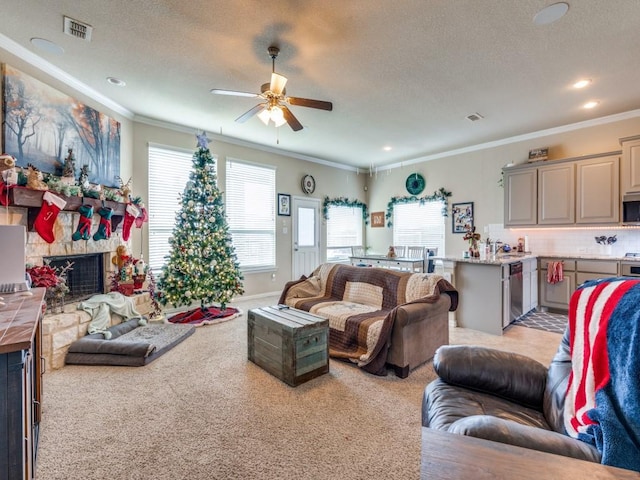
440,195
344,202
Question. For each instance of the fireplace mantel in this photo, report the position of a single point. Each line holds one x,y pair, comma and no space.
32,200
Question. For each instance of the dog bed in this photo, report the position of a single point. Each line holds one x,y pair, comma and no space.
130,344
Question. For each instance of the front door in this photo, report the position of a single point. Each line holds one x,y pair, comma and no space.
306,236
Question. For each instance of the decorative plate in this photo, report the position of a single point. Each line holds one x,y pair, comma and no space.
415,184
308,184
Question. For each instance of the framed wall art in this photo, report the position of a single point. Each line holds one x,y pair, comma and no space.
462,217
284,204
377,219
41,124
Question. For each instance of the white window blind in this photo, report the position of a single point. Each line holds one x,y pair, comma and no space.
251,213
169,170
417,225
344,230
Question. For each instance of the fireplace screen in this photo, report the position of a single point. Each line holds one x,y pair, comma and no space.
86,278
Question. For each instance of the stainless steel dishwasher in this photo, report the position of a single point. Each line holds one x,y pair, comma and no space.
515,293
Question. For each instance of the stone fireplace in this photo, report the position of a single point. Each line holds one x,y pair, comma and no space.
67,324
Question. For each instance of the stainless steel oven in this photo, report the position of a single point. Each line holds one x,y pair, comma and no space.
630,269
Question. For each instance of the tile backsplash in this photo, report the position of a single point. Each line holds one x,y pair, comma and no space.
569,240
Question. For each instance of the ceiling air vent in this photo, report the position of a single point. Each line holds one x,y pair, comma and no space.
474,117
77,29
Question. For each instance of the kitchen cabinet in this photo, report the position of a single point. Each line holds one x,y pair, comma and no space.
520,197
529,285
593,269
576,272
556,194
21,369
556,295
598,190
630,165
584,191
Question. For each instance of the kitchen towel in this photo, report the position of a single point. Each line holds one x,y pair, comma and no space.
555,273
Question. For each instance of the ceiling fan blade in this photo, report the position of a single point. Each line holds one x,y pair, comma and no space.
277,83
307,102
291,119
219,91
247,115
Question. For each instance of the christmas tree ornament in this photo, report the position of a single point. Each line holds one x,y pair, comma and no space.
104,229
46,219
83,231
131,212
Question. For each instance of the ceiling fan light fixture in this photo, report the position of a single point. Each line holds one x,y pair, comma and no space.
265,116
277,116
277,83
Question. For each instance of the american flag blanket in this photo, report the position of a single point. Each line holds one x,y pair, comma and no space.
602,405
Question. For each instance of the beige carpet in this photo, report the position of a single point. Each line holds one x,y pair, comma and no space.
202,411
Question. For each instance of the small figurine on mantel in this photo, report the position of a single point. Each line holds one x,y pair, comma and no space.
392,252
34,178
83,178
69,172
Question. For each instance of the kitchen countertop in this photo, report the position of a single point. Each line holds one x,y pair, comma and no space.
513,257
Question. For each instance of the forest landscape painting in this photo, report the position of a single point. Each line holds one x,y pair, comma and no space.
40,125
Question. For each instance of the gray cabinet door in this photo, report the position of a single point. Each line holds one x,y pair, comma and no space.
556,295
520,193
631,165
598,190
556,194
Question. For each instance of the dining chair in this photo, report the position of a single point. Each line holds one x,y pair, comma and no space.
415,252
400,251
357,251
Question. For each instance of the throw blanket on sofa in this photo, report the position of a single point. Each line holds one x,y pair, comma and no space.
602,405
361,305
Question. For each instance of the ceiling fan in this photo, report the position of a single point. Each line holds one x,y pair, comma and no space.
274,108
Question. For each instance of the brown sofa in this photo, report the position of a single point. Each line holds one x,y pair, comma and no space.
377,317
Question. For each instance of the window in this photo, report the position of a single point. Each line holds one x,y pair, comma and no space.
419,225
169,170
251,213
344,230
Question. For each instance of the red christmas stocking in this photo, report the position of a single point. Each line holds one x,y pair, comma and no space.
51,206
130,214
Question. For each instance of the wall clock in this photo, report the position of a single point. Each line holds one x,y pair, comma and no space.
308,184
415,184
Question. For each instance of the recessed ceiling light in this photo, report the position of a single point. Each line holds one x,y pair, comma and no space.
47,46
582,83
386,148
116,81
551,13
591,104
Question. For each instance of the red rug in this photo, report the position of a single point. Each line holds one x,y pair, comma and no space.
207,316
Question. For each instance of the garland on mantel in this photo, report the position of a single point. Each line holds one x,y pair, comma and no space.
344,202
440,195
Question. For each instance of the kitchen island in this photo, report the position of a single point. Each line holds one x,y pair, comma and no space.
488,301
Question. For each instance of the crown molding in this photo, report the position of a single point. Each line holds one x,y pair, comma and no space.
518,138
38,62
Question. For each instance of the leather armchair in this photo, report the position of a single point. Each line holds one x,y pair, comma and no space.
503,397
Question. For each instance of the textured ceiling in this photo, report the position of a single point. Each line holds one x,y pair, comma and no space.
403,74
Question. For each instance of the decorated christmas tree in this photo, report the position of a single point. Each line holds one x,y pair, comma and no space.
202,265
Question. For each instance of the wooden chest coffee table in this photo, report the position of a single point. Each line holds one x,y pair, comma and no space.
290,344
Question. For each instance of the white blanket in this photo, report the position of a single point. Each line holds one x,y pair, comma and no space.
100,308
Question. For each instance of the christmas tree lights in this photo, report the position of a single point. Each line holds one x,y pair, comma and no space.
202,265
